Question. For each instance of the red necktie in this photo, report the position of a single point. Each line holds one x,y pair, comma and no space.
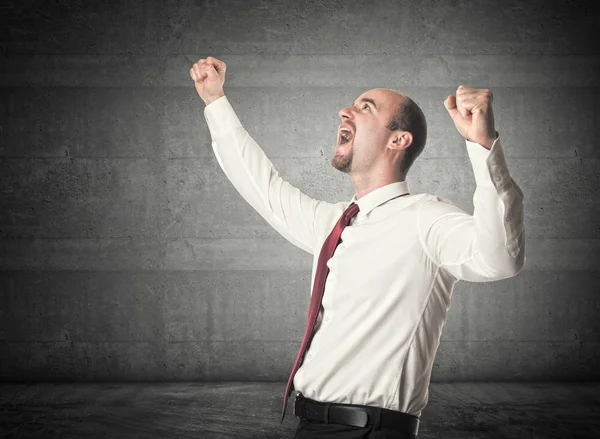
327,251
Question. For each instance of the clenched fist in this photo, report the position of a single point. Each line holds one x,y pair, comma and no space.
471,111
209,76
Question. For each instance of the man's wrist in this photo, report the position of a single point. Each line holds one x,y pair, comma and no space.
211,99
490,142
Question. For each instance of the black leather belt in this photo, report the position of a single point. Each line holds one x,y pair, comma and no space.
355,415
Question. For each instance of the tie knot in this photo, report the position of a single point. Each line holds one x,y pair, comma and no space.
351,211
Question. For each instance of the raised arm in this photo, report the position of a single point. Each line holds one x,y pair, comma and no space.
490,244
291,212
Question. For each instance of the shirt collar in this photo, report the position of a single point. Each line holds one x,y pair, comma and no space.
380,195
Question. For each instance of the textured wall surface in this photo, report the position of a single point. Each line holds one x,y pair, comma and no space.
128,255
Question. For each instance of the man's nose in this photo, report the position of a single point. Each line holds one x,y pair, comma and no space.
346,113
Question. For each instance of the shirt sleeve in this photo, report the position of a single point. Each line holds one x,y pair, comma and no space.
288,210
488,245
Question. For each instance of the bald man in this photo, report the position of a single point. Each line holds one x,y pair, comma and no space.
386,262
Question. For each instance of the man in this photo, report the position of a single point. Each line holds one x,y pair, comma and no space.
364,366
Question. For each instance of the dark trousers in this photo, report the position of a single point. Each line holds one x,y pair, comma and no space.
317,430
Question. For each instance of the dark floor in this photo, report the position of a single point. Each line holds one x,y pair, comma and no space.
252,410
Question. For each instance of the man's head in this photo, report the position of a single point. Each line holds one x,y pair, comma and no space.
388,132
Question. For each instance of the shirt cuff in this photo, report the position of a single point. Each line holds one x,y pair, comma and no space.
221,117
489,165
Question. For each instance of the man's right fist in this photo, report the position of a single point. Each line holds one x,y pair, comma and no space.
209,76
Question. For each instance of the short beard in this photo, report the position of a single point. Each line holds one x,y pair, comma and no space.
342,162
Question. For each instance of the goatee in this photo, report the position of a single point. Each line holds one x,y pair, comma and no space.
342,162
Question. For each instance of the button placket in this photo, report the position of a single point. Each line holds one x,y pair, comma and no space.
318,291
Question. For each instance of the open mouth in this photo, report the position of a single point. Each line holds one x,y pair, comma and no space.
345,136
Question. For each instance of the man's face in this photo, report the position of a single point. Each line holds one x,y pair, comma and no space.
368,136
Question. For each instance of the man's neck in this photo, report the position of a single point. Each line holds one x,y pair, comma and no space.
366,184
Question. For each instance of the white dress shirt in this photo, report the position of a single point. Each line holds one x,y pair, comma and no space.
391,278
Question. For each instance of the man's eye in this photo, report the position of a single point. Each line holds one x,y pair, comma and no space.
366,105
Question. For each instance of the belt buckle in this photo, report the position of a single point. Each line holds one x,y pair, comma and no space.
295,395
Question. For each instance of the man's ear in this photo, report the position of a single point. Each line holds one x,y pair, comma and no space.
401,140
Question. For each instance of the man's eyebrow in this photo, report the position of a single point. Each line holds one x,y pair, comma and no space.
371,101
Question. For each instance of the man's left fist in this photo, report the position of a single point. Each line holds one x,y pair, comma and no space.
471,111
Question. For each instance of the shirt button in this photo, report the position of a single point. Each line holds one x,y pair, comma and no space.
498,178
309,357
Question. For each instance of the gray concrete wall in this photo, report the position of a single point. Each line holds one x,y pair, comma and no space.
128,255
